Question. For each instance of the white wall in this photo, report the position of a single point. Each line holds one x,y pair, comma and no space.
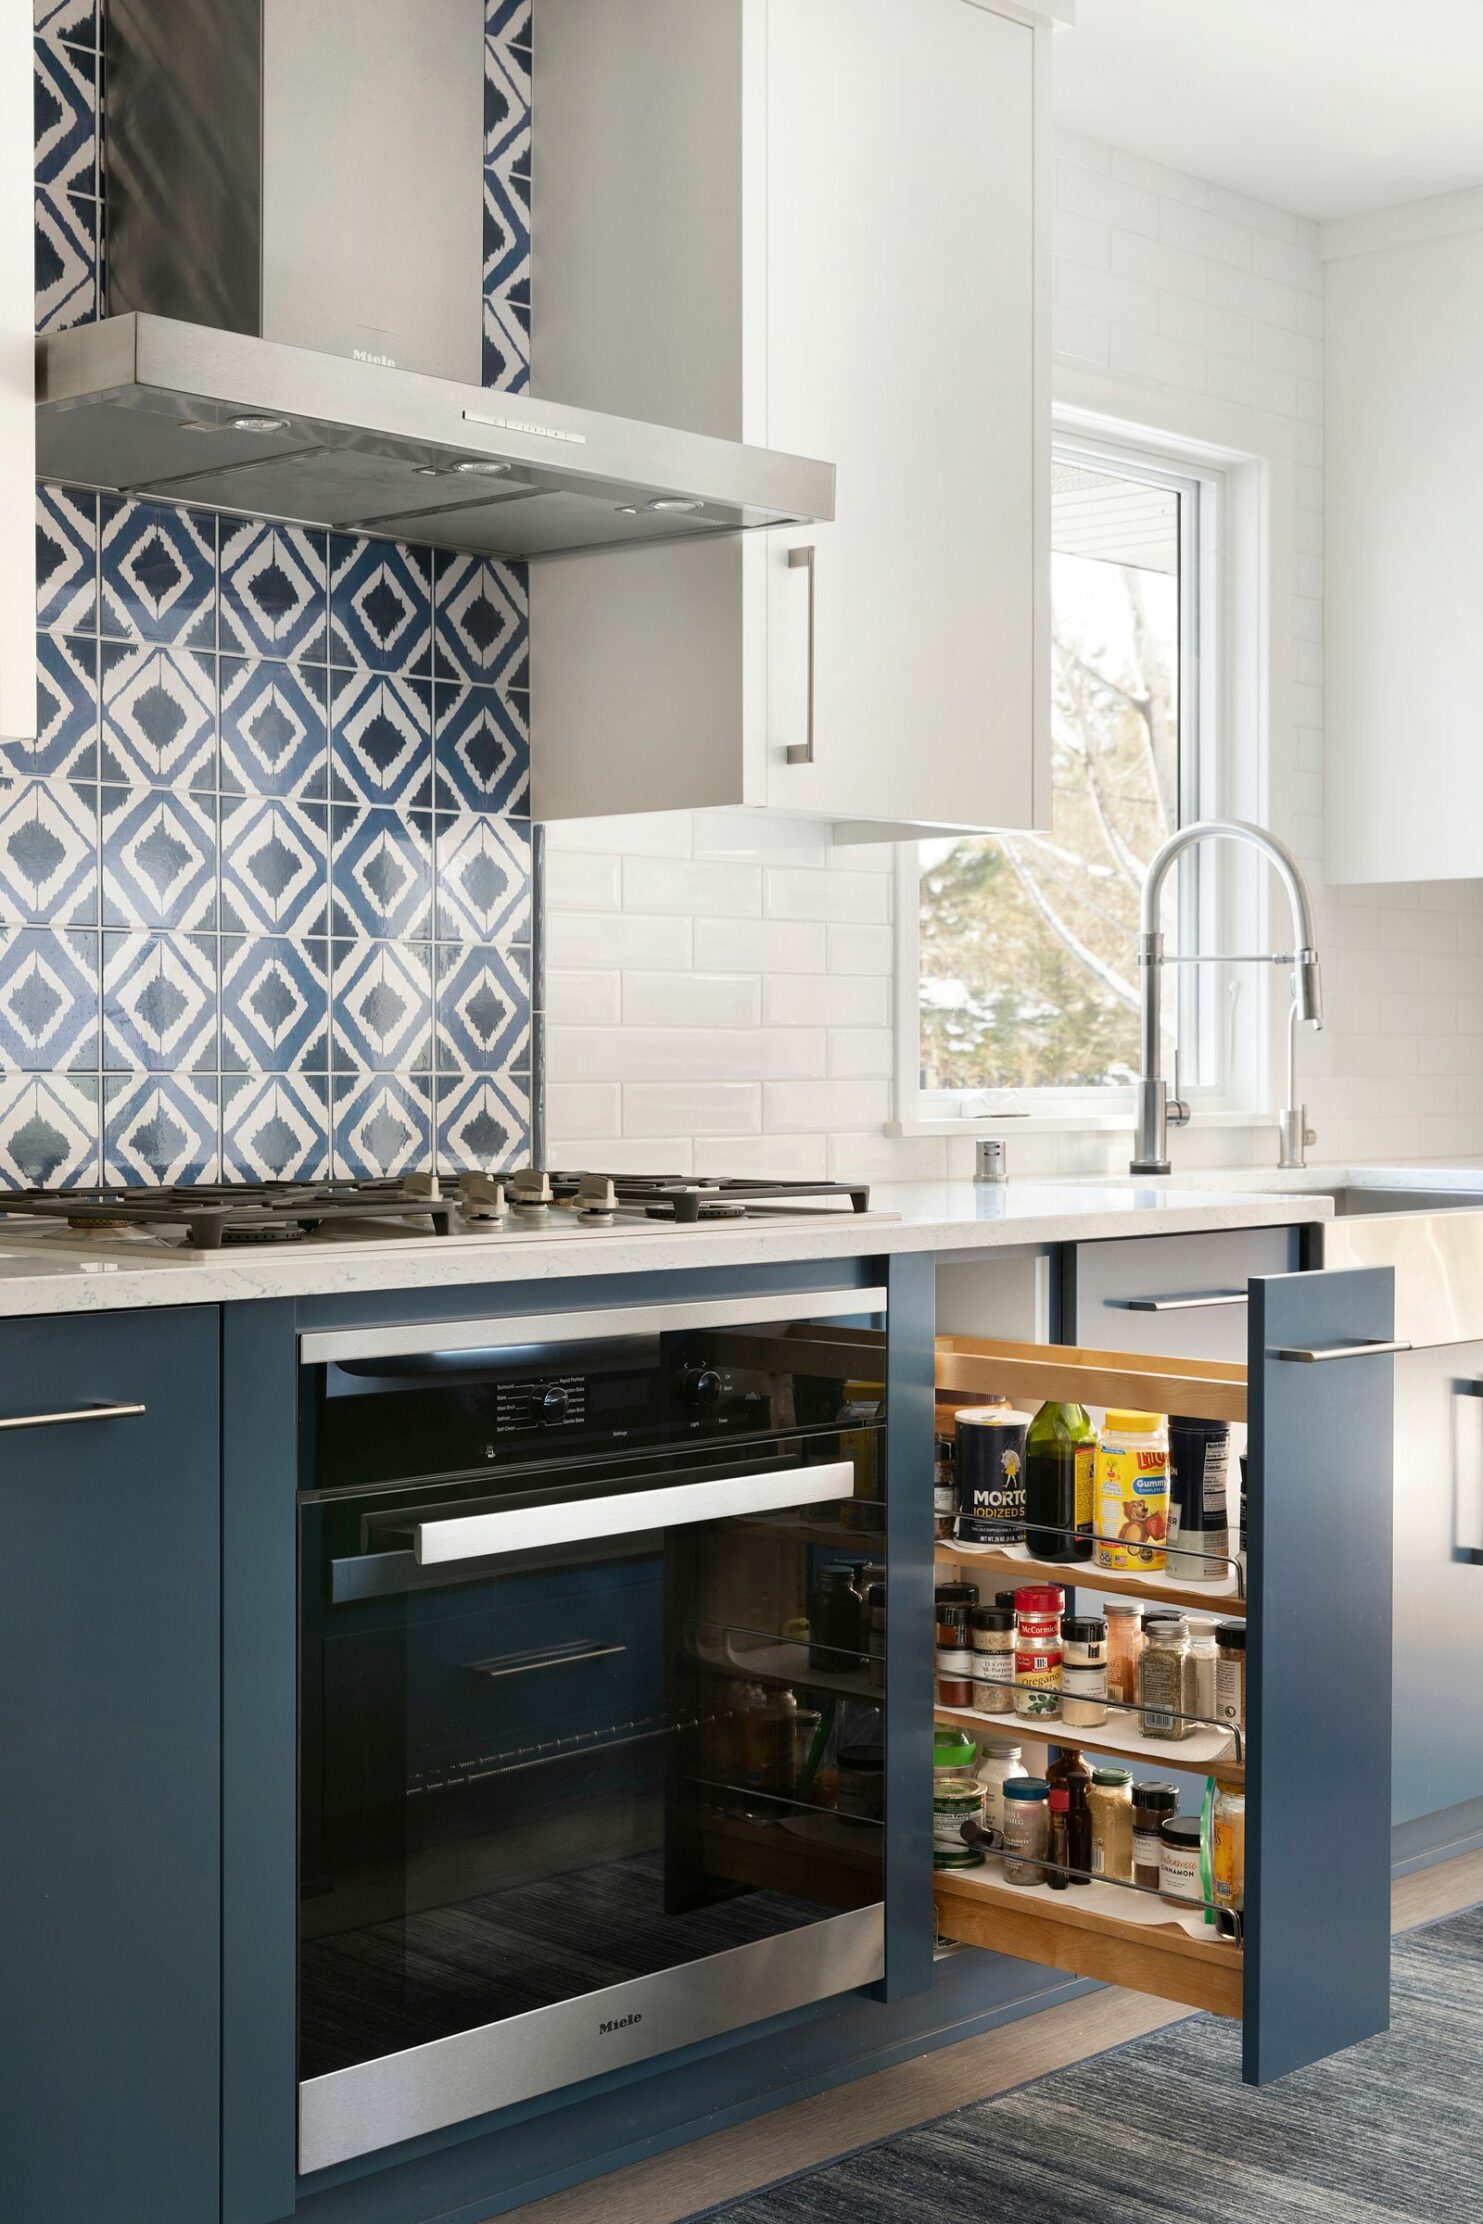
717,1005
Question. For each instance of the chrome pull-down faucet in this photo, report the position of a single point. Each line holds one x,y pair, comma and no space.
1157,1112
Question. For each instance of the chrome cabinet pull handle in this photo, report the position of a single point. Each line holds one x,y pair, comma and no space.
802,559
1177,1304
494,1669
529,1528
115,1412
1469,1554
1366,1349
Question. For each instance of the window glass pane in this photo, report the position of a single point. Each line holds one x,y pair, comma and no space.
1029,943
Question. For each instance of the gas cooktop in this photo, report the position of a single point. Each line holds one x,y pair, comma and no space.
206,1216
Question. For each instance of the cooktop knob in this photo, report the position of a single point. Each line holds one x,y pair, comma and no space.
597,1200
700,1386
530,1192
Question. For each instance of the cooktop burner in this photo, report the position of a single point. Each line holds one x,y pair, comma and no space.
209,1215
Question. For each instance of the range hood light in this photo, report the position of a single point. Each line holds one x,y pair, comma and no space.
628,509
259,424
676,504
480,467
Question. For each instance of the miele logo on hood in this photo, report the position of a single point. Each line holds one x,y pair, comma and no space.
619,2023
364,355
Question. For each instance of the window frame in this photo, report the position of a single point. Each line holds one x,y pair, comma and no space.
1215,537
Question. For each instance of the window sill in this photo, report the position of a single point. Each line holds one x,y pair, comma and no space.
1069,1123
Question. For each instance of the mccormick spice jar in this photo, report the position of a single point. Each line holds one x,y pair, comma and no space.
1084,1671
991,1474
992,1630
1026,1829
1153,1804
1133,1491
1037,1650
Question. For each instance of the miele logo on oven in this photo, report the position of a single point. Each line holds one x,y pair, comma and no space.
619,2023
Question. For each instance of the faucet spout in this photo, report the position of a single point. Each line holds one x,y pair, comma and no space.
1155,1112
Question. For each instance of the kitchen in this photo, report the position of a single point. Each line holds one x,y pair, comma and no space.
508,664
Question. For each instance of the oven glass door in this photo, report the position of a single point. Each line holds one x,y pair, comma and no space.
563,1735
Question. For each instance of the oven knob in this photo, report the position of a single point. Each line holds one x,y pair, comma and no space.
554,1403
700,1386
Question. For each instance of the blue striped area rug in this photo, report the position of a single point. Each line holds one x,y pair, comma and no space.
1162,2127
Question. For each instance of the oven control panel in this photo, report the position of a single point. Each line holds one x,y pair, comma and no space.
555,1402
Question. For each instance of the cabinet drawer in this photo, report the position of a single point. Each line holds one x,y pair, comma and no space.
1183,1295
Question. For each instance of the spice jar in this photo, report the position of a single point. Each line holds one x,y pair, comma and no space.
954,1658
992,1629
955,1802
1111,1801
1179,1859
1153,1804
1164,1681
875,1634
944,1486
1083,1671
1230,1673
1124,1649
1058,1853
1204,1665
953,1755
1228,1847
1037,1650
861,1796
1000,1765
1026,1829
836,1623
956,1594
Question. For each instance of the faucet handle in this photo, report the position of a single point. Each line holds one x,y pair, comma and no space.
1176,1112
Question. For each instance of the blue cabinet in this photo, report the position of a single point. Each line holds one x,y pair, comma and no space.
109,1755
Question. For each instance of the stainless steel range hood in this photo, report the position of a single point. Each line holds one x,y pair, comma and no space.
296,258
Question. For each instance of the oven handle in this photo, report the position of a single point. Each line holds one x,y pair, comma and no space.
528,1528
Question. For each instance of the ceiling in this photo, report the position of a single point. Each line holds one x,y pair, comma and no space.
1328,107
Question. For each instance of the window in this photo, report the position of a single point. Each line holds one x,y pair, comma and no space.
1028,990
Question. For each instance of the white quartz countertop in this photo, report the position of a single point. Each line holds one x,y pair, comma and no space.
63,1272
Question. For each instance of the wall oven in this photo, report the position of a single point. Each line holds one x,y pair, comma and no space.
592,1695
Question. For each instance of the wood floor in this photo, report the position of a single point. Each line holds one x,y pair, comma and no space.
729,2164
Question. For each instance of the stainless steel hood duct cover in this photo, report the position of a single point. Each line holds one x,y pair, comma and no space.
295,234
146,405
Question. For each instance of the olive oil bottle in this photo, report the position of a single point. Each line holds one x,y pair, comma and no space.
1060,1465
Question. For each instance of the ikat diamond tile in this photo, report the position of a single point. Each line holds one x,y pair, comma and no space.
274,867
506,358
274,590
481,749
159,1003
66,260
159,858
159,717
74,20
66,108
383,873
66,559
482,616
160,1129
158,573
483,1017
275,1127
380,605
49,1131
49,1001
66,744
383,1007
483,879
49,854
275,1005
381,739
383,1125
274,729
483,1122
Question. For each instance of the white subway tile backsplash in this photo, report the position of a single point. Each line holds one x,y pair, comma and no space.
1102,293
861,950
1216,238
831,896
1158,262
1082,238
861,1050
596,939
576,880
1081,338
1201,323
692,888
692,1107
692,1000
763,945
629,1154
584,1107
825,1105
825,1000
643,834
583,999
685,1053
1158,361
1092,193
764,1157
868,1155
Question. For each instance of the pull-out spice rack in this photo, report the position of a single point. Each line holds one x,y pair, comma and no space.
1311,1973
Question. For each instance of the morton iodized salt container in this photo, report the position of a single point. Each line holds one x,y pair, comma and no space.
991,1474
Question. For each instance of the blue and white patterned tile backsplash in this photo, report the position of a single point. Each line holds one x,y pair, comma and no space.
265,907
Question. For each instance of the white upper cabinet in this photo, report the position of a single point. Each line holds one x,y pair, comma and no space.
1403,480
17,381
817,226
